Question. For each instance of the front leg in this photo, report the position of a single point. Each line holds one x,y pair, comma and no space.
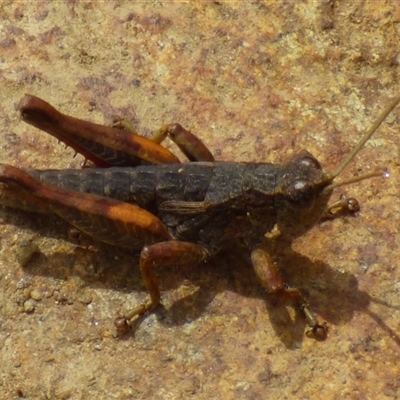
271,280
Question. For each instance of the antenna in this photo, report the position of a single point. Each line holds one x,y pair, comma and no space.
360,144
366,137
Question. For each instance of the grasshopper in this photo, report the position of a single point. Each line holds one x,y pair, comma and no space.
141,197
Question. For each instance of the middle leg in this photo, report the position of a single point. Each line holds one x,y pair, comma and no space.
158,255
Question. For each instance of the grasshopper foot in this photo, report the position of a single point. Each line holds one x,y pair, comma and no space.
314,330
121,325
345,205
318,332
124,323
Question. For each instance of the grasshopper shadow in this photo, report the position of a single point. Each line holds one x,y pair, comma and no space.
334,296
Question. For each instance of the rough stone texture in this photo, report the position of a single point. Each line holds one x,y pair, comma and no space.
257,81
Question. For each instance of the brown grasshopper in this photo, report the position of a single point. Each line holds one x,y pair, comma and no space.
177,213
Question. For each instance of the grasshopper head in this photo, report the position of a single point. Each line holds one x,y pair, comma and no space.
303,189
301,196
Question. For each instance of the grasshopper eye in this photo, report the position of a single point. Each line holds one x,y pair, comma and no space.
309,161
300,193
